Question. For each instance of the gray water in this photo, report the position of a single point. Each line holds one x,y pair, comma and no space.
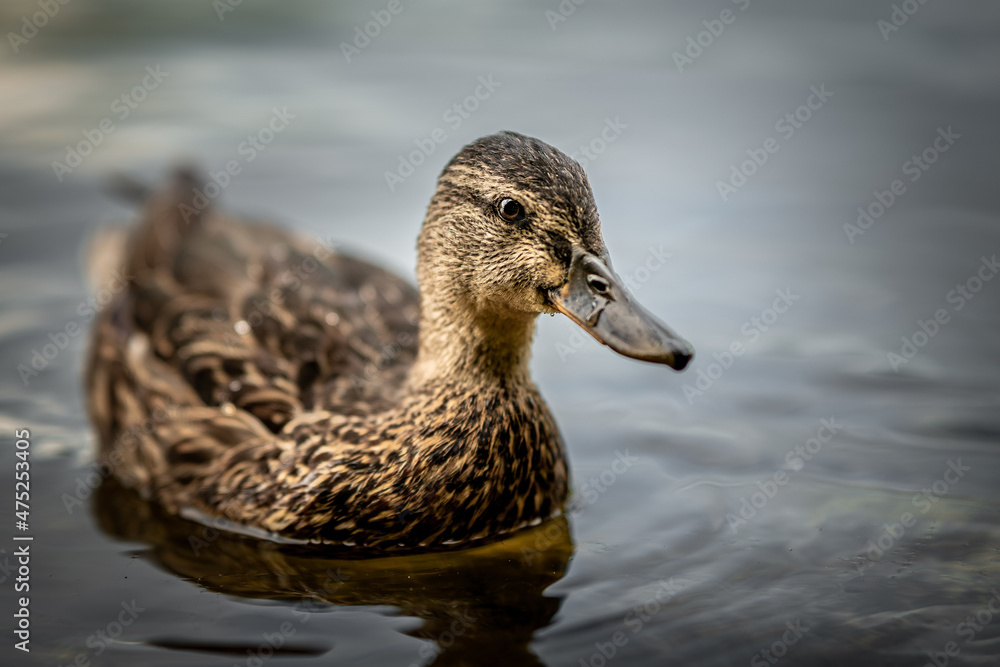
828,496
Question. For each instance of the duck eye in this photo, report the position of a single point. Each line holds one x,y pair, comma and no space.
510,210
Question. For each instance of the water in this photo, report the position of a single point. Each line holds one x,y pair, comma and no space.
812,497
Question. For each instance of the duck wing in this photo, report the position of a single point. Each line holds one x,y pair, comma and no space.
226,330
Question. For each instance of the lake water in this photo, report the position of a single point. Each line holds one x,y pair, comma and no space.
828,495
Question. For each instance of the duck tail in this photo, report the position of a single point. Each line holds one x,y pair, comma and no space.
128,189
170,215
133,190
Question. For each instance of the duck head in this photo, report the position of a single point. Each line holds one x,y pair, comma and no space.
511,232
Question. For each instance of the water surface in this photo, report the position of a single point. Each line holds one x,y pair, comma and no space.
813,497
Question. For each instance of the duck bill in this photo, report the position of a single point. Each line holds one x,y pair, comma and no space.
596,299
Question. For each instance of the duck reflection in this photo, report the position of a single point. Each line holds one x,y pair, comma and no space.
477,604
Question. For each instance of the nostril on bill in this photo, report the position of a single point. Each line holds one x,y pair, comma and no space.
597,284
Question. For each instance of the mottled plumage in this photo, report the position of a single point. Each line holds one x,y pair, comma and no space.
250,374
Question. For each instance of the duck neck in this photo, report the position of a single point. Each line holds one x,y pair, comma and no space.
463,344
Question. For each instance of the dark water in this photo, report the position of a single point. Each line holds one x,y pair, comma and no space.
811,500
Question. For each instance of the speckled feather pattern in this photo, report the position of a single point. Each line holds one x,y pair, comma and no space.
256,376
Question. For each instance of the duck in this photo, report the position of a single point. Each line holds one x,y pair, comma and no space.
251,378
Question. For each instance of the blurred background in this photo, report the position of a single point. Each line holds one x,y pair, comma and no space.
804,190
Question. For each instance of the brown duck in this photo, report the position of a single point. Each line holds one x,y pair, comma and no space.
255,377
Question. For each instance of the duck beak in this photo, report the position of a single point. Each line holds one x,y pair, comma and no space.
596,299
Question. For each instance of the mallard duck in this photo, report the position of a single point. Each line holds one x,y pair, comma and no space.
251,376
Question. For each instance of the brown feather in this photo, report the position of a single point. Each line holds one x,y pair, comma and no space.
249,374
